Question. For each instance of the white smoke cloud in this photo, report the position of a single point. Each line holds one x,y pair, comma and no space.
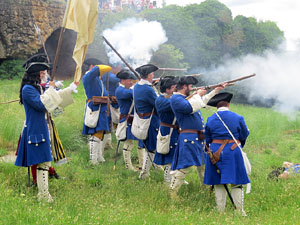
277,78
135,40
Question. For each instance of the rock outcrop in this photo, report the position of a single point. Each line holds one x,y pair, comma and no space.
18,38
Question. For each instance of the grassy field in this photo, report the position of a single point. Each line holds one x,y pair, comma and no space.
101,195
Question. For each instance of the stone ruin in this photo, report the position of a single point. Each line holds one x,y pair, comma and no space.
18,38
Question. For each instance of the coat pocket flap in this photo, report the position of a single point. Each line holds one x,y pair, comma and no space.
36,138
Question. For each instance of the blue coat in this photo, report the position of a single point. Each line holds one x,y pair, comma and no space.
93,87
34,146
113,84
144,102
189,150
231,162
124,98
166,115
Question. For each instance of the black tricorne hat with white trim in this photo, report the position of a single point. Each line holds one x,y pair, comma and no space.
36,67
167,82
40,57
144,70
126,74
92,61
224,96
187,80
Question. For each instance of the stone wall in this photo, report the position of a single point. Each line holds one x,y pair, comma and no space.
18,38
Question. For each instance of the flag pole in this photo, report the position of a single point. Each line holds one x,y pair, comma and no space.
59,42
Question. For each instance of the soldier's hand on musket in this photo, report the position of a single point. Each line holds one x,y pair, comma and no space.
221,87
201,91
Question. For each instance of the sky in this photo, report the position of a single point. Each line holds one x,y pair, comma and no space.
286,13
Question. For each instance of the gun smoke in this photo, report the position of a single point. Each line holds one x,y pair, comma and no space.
135,40
277,80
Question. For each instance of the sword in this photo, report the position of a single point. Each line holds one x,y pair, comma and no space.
211,156
148,154
28,172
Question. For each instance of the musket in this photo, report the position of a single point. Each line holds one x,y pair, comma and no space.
16,100
213,161
116,155
156,80
229,82
123,60
173,69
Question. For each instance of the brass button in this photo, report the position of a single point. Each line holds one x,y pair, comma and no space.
192,142
29,142
185,140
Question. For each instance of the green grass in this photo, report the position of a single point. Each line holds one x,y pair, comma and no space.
101,195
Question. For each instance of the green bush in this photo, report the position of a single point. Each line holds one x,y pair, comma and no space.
11,69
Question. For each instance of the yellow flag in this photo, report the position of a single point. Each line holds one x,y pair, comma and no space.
81,16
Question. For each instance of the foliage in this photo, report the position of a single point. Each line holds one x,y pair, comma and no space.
168,56
206,32
10,69
257,36
100,195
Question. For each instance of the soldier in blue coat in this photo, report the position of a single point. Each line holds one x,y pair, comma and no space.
94,86
111,84
34,146
167,124
189,151
125,101
230,163
144,96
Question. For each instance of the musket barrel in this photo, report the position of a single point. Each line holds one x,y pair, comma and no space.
172,69
229,82
123,60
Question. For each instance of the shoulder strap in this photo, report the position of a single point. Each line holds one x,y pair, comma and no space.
228,131
130,109
174,120
135,107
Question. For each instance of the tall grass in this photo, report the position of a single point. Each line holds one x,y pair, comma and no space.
100,195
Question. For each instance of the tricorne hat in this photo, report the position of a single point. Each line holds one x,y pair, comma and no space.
187,80
36,67
92,61
224,96
40,57
125,74
167,82
146,69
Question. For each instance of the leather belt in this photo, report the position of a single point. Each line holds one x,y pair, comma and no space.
129,118
190,131
142,115
169,125
124,116
99,100
113,99
226,141
199,132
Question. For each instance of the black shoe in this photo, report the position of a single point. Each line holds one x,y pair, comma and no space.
54,175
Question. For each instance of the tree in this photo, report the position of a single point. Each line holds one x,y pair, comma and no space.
167,57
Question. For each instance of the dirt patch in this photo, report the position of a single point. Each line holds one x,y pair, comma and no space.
10,158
